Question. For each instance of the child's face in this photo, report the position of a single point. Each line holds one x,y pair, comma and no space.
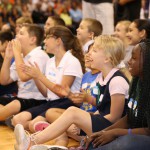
23,37
120,31
49,23
134,35
135,63
98,57
83,33
51,44
18,27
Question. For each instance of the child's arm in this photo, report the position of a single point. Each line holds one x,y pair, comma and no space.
16,46
107,136
43,83
5,70
117,107
117,129
79,98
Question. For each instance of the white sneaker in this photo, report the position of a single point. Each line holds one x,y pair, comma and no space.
48,147
23,140
39,147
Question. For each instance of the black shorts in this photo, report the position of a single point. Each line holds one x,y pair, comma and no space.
25,103
98,123
63,103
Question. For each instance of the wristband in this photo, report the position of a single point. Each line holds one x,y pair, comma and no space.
129,131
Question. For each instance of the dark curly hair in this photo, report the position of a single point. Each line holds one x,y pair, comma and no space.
143,92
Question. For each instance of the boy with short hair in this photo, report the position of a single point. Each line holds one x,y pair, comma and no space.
88,29
25,48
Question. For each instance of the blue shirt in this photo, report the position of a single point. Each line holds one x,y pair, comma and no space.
88,84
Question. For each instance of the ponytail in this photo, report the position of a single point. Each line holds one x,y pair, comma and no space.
77,52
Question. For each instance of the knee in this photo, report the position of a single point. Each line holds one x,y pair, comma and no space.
16,120
15,102
31,126
49,113
72,111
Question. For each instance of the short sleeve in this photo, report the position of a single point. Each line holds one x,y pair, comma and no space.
118,85
73,68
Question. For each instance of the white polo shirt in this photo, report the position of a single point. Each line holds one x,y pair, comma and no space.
28,90
69,65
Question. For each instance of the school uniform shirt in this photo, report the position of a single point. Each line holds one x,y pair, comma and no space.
69,65
114,83
88,84
29,90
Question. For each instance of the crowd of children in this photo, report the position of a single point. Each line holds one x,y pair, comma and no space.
82,90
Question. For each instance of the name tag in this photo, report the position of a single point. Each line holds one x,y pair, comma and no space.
132,102
93,84
95,90
84,86
101,98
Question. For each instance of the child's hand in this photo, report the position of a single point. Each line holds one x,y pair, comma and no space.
9,51
32,70
78,98
102,137
62,90
16,46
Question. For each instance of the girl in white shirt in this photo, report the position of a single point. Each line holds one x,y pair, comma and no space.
63,69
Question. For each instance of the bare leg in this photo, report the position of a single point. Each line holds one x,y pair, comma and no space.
32,123
22,118
71,116
53,113
62,140
10,109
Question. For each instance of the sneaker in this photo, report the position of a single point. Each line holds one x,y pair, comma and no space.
48,147
23,140
40,126
9,123
39,147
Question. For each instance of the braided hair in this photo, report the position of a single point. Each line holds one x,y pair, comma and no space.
143,107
